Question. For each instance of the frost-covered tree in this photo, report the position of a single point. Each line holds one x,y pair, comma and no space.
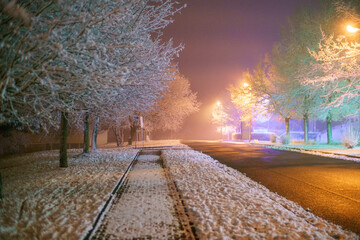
232,115
76,57
177,103
219,117
145,87
272,91
337,70
45,66
337,67
293,61
146,57
333,73
248,104
335,77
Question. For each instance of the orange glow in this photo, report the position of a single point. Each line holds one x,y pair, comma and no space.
351,29
218,103
246,84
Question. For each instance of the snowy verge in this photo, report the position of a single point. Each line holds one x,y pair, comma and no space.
343,153
43,201
225,204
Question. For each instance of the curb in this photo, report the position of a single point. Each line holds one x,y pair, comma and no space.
306,150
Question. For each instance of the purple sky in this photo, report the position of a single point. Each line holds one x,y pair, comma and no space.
222,38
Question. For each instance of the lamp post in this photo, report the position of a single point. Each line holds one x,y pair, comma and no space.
219,106
219,116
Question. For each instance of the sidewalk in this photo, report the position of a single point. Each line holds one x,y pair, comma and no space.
145,207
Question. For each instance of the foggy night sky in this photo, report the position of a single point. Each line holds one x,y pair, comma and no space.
222,38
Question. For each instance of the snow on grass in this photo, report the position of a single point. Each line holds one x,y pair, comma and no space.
44,201
225,204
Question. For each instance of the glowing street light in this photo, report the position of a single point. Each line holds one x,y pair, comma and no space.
351,29
219,116
246,84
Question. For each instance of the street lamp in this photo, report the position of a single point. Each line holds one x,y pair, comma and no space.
352,29
219,116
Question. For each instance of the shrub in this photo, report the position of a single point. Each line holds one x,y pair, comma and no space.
273,138
350,138
285,139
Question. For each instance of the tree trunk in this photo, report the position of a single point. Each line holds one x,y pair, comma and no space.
118,135
329,130
94,135
306,129
287,126
250,130
86,133
132,131
63,142
122,135
1,188
147,135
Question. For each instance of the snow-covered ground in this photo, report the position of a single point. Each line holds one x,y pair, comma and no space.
43,201
225,204
145,207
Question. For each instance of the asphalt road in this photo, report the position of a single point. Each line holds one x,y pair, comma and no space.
329,187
